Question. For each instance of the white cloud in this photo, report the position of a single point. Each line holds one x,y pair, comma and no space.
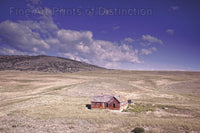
43,36
81,47
108,51
174,8
7,51
45,25
74,56
77,45
125,47
21,36
33,37
70,35
150,39
113,65
128,40
52,41
116,27
170,31
11,51
35,49
148,51
68,55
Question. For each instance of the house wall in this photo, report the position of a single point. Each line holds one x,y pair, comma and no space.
98,105
114,101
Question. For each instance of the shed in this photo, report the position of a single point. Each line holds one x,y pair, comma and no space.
114,102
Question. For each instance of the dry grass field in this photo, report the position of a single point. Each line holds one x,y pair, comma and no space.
35,102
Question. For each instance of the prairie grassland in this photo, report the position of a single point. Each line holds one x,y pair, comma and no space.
56,102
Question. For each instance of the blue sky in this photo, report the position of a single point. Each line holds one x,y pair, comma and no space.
124,34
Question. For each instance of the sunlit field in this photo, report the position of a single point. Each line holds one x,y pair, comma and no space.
56,102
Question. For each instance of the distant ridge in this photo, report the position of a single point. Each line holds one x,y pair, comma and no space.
43,63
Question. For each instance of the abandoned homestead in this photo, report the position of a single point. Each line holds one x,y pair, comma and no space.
109,102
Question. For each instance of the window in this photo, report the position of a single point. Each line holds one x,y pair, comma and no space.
113,105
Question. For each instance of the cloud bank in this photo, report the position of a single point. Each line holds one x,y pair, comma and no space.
44,37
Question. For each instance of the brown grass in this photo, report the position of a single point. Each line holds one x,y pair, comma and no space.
46,102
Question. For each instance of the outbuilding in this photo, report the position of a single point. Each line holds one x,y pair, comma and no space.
114,102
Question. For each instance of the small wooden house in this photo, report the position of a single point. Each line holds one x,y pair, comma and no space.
109,102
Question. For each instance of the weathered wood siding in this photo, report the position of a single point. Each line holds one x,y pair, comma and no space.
114,104
98,105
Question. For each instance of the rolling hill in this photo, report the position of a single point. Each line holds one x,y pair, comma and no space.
43,63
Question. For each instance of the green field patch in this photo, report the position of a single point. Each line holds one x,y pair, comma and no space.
139,107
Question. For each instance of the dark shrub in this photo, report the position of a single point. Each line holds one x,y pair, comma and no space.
138,130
